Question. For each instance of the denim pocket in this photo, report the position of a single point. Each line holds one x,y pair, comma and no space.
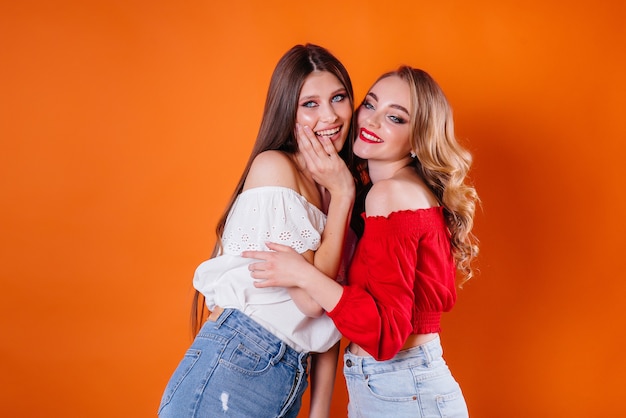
397,385
246,360
183,369
452,404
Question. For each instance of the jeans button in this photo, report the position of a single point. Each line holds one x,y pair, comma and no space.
349,363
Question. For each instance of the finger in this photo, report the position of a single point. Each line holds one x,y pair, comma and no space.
255,267
259,255
322,145
304,141
306,144
278,247
314,140
261,283
328,147
310,145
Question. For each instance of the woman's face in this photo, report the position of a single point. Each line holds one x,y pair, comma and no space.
324,106
383,121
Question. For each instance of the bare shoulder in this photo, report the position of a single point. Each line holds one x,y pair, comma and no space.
395,194
272,168
383,198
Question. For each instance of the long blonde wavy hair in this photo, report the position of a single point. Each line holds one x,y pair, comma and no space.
442,162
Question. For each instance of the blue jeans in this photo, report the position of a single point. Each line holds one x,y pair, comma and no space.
236,368
415,383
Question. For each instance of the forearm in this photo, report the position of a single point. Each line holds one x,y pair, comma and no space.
323,289
320,284
328,255
305,303
323,371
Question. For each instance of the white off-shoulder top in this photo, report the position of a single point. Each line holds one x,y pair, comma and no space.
260,215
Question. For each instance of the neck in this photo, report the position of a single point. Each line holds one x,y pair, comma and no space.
383,170
309,185
300,163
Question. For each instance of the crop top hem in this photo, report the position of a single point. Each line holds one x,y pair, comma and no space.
426,322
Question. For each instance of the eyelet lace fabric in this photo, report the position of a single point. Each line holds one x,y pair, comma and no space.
272,214
260,215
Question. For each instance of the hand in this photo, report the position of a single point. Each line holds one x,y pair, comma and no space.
322,160
282,267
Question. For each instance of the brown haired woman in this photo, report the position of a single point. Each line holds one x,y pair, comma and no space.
250,357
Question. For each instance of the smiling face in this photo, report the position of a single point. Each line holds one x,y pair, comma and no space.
323,105
384,121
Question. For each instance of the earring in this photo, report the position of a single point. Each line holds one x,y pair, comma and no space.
412,154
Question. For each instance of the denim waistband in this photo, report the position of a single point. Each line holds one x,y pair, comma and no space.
276,348
423,354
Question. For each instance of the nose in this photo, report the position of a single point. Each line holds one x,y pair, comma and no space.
328,114
372,119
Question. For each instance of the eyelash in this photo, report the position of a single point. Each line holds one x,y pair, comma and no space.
393,118
335,99
367,105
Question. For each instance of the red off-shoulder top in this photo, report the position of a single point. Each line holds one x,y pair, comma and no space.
401,279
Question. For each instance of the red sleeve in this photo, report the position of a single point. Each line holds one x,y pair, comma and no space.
375,310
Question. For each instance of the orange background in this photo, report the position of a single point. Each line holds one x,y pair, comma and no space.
125,125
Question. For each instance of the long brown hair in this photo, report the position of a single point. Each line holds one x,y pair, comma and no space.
278,126
442,162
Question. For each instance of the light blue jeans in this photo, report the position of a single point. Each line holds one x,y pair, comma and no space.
236,368
415,383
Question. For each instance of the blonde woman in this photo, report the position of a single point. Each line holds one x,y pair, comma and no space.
417,236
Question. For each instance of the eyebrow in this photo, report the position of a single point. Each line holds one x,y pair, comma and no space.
315,96
394,106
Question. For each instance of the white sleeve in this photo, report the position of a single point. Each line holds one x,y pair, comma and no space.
272,214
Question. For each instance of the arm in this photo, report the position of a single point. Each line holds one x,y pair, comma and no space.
375,310
323,371
305,303
284,267
331,173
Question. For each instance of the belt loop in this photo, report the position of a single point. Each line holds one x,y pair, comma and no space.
427,354
303,361
304,358
281,352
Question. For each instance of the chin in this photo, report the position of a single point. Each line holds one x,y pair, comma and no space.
357,152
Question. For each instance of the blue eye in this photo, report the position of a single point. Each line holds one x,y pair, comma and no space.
367,105
396,119
338,98
310,103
